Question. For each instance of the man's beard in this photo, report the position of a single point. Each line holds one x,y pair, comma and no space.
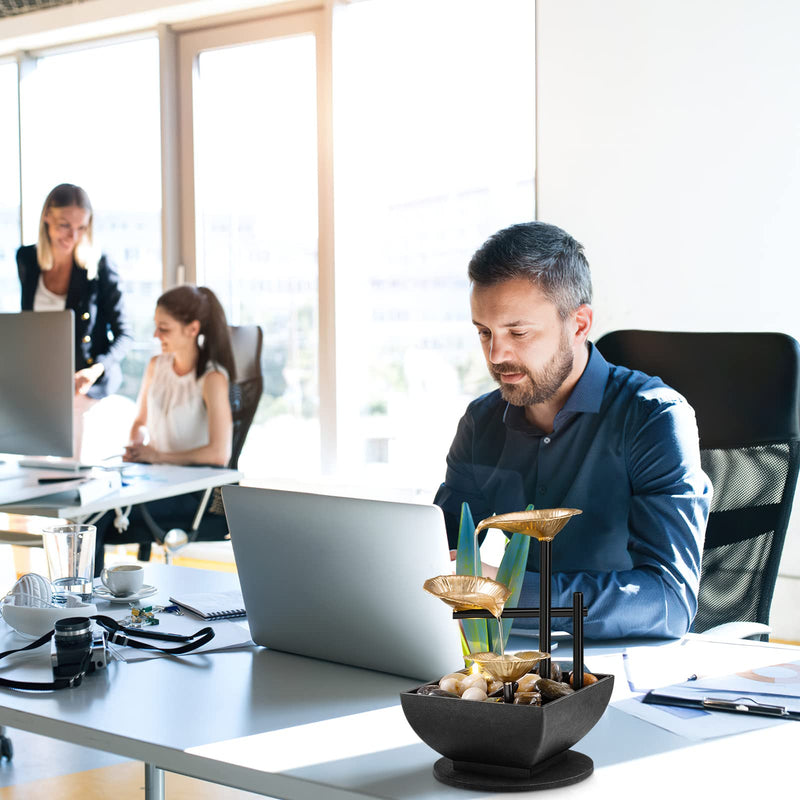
539,386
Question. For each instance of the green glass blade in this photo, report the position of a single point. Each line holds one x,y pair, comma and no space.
468,557
511,572
468,562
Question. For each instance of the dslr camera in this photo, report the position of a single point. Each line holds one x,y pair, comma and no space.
76,650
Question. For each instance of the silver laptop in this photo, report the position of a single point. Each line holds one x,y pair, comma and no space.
340,579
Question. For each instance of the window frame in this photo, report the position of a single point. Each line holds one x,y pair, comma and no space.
188,47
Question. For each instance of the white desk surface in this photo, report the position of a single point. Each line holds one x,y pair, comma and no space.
145,482
293,727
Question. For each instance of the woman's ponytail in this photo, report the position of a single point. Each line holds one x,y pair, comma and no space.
216,345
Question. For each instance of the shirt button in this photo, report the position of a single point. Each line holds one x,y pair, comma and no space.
546,440
87,339
85,315
90,361
542,489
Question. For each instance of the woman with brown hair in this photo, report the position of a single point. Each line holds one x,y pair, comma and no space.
184,413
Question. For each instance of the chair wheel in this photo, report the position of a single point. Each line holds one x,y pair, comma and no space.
6,748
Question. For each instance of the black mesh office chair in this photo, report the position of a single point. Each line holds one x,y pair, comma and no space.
245,394
745,390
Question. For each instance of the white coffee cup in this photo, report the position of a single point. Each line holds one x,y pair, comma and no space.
123,580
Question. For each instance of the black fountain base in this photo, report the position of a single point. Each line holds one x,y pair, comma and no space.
563,769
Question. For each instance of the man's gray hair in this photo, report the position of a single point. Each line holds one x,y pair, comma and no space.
545,254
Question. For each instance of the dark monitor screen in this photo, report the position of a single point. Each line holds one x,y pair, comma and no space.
37,366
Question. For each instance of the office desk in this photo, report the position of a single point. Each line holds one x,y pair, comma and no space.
145,482
293,727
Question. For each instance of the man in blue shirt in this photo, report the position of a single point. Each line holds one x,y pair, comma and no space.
568,429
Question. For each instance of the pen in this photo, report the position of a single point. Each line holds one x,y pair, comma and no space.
739,704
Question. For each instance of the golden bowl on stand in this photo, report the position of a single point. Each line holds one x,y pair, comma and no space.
542,524
468,592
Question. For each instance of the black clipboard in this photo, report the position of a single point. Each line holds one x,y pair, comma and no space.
727,701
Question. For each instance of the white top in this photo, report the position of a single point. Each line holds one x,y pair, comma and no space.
45,300
177,418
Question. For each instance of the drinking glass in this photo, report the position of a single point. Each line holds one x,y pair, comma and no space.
70,559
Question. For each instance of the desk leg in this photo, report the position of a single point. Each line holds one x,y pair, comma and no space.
153,782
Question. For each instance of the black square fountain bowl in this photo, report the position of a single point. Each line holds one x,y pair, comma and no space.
502,734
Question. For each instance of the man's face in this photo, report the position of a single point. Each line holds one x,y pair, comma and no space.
525,342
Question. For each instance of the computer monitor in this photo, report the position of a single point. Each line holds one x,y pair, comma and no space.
37,364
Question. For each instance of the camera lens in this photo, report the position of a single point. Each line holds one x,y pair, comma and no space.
73,632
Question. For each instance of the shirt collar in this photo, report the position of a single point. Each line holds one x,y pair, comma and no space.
587,396
588,392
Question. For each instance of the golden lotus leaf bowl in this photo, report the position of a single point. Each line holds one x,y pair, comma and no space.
543,524
468,592
508,668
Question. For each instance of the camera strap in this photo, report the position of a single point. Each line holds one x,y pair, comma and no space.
58,683
117,634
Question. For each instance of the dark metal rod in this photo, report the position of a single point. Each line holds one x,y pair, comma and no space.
508,692
515,613
577,640
545,571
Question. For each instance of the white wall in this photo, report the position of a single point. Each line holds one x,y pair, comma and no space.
669,145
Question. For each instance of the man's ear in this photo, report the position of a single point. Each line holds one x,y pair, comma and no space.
583,317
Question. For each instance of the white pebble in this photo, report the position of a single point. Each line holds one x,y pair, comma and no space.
474,680
450,685
473,693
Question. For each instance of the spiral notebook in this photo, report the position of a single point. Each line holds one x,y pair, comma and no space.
212,605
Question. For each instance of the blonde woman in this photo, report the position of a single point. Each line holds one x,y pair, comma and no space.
62,271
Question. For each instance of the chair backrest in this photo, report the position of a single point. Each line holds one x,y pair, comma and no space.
245,392
745,391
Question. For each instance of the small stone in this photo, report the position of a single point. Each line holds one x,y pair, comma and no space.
552,690
588,679
527,699
450,685
556,673
527,682
473,693
474,680
435,691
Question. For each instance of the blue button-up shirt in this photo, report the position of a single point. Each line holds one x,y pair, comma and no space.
624,449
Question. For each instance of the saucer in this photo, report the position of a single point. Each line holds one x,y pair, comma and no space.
105,594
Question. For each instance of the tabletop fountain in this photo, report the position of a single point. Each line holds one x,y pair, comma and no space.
510,741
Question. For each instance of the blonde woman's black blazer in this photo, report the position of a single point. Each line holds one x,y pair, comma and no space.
102,333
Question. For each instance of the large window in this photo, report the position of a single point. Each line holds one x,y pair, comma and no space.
255,146
370,356
328,173
91,117
9,188
434,152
